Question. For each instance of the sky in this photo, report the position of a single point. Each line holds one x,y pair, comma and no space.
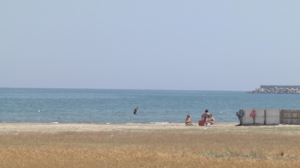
166,45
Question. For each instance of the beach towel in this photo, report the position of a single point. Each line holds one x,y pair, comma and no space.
207,120
252,113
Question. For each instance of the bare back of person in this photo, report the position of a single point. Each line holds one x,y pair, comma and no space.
206,117
206,114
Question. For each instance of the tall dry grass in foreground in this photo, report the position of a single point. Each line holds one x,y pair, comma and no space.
243,147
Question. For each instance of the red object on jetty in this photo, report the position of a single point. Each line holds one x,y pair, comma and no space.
253,113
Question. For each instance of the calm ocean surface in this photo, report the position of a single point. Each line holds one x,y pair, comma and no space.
116,106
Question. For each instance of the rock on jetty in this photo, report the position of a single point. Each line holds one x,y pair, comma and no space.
277,89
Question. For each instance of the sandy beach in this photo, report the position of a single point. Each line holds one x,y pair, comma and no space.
148,145
82,127
58,127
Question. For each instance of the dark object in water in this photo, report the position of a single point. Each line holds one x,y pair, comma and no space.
135,111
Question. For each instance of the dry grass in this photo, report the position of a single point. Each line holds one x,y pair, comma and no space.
237,147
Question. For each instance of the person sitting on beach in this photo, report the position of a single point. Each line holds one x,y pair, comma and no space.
206,117
212,119
188,120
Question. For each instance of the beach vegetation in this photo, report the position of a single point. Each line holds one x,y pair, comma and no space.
195,147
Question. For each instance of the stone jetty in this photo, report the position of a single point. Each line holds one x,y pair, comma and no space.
277,89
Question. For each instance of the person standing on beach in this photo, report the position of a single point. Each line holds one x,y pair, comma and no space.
135,111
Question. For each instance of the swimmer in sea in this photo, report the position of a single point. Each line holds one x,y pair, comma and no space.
135,111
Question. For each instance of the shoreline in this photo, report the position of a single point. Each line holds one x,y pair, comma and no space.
90,127
84,127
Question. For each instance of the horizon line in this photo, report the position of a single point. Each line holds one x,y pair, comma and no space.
119,89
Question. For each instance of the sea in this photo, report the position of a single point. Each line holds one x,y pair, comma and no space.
108,106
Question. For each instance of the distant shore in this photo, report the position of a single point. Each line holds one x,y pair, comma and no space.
277,89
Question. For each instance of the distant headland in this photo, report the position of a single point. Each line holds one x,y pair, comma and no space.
277,89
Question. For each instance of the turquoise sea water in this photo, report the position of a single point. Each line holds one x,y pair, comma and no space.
116,106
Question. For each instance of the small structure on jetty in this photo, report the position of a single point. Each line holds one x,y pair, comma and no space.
270,117
277,89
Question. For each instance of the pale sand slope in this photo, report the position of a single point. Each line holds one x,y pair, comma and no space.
57,127
78,127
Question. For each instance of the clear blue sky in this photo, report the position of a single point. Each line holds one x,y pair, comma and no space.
173,45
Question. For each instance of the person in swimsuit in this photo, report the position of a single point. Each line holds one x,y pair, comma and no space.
206,117
188,120
212,119
135,111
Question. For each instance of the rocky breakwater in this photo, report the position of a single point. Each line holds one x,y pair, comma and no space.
276,90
